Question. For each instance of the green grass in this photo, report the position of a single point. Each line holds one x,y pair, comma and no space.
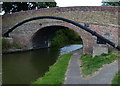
91,64
116,80
56,73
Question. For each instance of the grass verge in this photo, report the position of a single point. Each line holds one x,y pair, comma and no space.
56,73
116,80
90,64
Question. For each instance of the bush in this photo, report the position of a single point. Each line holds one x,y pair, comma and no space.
64,37
5,44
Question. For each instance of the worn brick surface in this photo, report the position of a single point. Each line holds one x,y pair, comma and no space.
103,20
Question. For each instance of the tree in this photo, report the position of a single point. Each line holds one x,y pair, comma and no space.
110,3
46,4
10,7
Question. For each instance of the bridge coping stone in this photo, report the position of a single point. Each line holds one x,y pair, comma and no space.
99,49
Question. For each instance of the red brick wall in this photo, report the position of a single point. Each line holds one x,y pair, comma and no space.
103,20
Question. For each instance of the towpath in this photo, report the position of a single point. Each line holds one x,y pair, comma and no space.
73,75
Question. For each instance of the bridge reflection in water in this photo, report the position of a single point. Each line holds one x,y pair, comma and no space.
26,67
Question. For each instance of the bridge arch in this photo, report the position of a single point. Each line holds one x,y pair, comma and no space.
87,38
40,39
68,21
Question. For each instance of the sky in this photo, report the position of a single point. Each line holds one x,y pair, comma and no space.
66,3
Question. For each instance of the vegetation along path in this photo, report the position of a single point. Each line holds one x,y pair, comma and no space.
73,75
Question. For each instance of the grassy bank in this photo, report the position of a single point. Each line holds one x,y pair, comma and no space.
56,73
90,64
116,80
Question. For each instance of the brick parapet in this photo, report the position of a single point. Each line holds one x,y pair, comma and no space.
86,14
103,20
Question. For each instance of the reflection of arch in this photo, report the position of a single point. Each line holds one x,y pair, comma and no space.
66,20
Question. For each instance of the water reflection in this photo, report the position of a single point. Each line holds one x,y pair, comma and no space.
69,48
26,67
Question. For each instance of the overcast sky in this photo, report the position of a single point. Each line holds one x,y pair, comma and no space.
65,3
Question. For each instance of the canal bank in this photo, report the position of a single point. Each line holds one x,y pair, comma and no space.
56,73
26,67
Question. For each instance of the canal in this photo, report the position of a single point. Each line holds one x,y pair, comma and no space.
26,67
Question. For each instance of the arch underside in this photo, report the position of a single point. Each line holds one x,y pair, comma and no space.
92,15
85,33
30,40
42,38
86,37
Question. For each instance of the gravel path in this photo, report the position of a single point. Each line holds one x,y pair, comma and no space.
73,75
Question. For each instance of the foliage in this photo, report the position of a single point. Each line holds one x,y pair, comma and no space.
0,42
116,80
56,73
64,37
7,45
91,64
46,4
111,4
10,7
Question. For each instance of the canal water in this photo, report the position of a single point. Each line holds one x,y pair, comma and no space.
26,67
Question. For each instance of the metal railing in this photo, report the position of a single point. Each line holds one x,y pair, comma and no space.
66,20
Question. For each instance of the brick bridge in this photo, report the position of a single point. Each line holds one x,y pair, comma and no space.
103,20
